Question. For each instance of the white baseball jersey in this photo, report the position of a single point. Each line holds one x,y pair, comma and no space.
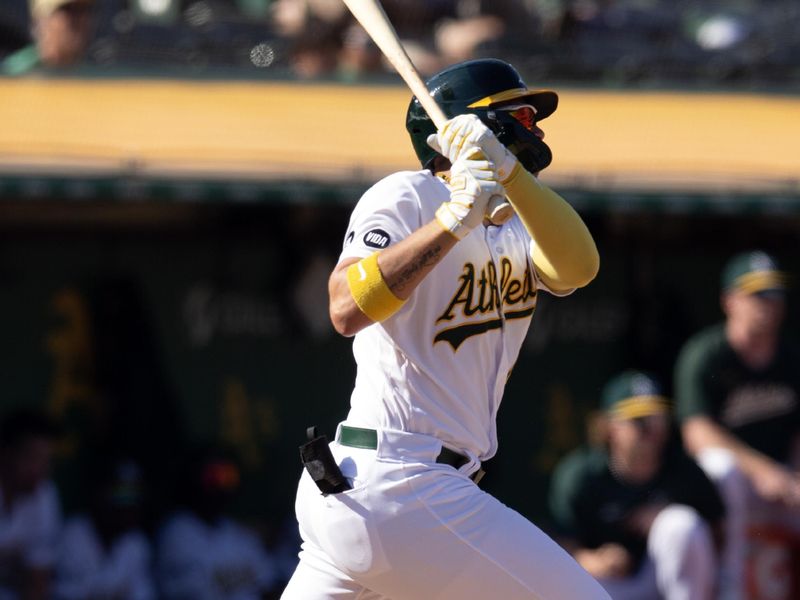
87,569
28,535
431,374
439,365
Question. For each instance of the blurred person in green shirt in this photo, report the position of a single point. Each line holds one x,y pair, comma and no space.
636,512
737,389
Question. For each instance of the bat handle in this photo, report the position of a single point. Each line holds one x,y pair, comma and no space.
499,210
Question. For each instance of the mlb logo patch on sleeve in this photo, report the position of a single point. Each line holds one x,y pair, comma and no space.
377,238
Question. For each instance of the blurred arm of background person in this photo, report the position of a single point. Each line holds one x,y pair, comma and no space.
484,23
772,480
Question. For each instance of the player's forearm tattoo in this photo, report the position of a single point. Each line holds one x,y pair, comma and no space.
407,276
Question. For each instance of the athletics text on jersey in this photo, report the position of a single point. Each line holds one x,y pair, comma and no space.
439,365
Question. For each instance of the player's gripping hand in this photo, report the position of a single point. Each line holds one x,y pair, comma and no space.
461,136
472,184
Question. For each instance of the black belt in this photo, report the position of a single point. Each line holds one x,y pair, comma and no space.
358,437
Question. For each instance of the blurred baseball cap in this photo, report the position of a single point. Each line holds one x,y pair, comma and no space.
634,394
43,8
753,272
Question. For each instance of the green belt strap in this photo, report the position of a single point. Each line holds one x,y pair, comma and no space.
358,437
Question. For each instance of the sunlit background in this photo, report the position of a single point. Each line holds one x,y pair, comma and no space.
172,202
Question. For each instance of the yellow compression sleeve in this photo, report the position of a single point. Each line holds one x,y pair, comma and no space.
369,289
564,252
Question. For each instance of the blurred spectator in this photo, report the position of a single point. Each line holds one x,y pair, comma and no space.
441,32
315,30
286,548
61,31
435,33
737,387
203,554
639,515
510,24
105,554
29,506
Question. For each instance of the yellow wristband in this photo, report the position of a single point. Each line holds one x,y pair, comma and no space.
369,289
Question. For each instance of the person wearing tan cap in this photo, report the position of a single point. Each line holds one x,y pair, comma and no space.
61,32
737,392
636,512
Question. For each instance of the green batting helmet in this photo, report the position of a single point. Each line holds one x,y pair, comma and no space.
480,86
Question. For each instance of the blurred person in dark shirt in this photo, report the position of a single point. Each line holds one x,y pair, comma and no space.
325,39
30,516
105,553
202,552
638,514
61,31
737,388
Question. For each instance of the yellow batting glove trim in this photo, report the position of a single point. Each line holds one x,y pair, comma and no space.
448,221
369,289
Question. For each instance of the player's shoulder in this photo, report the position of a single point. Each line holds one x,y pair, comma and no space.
405,180
704,345
400,193
580,466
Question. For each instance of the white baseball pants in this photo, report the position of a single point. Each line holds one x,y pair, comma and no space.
412,529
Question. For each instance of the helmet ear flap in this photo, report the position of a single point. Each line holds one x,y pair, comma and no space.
529,149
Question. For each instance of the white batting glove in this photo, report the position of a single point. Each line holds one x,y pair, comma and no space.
465,134
472,184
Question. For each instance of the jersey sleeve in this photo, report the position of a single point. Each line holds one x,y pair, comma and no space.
387,212
691,388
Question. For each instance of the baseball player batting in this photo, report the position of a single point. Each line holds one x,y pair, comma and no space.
439,301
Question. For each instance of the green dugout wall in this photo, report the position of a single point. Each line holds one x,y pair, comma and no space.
186,323
164,249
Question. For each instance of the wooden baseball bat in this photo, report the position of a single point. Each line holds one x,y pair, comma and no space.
373,19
